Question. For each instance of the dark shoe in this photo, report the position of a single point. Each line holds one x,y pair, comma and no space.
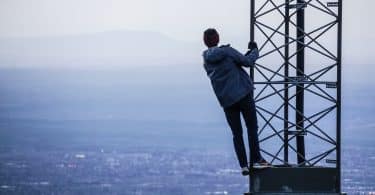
262,164
245,171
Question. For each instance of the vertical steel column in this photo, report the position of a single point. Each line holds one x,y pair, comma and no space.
286,89
252,22
338,119
252,31
300,87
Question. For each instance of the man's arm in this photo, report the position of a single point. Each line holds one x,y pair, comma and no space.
247,60
252,55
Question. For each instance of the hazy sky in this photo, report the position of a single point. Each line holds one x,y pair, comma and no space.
179,19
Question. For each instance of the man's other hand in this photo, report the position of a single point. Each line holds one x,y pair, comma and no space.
252,45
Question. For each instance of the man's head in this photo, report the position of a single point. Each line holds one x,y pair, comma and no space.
211,37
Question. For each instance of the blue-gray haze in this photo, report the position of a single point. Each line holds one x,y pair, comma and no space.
87,107
140,131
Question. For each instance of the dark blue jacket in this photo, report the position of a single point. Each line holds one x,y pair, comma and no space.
224,68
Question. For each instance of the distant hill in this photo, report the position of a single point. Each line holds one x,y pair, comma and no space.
115,48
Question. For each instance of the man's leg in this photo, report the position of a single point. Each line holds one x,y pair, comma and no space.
248,110
232,114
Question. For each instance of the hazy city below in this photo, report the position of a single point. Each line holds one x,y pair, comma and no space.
140,130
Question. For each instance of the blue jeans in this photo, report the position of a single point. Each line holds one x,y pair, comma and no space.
246,106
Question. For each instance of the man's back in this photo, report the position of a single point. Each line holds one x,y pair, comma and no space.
229,81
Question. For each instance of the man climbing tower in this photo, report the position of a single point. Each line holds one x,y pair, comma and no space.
234,90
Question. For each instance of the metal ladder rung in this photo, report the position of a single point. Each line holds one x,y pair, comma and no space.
298,79
332,4
331,85
331,161
297,6
297,133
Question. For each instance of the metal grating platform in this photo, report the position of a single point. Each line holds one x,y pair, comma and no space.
294,180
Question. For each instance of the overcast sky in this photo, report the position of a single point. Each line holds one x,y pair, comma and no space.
179,19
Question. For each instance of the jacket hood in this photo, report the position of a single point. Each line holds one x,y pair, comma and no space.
214,55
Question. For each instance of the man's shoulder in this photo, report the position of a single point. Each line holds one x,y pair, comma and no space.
225,46
230,50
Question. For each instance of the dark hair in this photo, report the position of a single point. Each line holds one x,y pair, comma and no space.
211,37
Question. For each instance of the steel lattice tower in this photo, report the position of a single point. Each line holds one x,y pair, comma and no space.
298,94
